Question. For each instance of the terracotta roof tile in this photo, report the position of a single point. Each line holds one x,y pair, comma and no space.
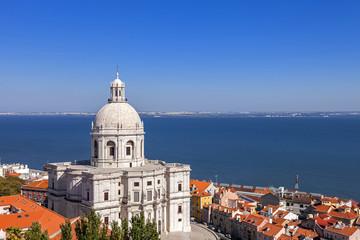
348,231
30,212
271,229
201,194
38,184
200,185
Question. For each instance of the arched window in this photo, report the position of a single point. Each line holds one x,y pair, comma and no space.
111,147
130,149
119,93
116,93
96,151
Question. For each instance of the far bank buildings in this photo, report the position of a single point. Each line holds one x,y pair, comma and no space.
120,181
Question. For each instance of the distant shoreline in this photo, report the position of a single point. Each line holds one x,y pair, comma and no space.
202,114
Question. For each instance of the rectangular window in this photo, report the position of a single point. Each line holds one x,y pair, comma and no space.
149,195
149,183
179,209
119,184
179,187
88,196
136,197
159,193
136,184
106,196
106,220
159,181
112,151
52,184
128,151
119,192
119,215
179,220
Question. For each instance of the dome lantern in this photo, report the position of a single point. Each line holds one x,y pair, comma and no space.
117,90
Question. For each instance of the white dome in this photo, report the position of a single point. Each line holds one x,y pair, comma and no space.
117,115
117,82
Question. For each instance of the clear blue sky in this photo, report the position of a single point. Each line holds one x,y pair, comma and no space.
181,55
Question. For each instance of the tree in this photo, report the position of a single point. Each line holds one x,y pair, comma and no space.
94,224
13,233
115,231
34,233
81,229
137,226
10,185
124,231
141,230
104,235
66,230
90,228
151,232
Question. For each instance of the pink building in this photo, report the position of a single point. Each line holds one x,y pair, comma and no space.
223,196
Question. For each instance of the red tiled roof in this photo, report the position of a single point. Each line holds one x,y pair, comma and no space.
200,185
201,194
325,220
271,229
14,174
274,208
30,212
343,215
38,184
322,208
255,219
347,231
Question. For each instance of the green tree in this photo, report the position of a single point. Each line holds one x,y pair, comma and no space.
82,229
115,231
94,225
104,235
137,226
141,230
89,228
34,233
124,231
10,186
66,229
151,232
13,233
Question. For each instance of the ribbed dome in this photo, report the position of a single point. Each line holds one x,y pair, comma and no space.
117,115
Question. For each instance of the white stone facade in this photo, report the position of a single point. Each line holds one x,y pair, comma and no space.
121,182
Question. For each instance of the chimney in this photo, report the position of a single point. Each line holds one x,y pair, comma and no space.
270,220
270,211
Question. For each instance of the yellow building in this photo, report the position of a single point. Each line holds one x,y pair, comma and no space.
199,199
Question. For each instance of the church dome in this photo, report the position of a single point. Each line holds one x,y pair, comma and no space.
117,115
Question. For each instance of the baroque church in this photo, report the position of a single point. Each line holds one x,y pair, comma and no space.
120,181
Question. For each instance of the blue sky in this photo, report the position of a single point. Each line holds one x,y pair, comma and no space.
181,55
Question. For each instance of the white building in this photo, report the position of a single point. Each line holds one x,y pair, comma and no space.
13,168
121,182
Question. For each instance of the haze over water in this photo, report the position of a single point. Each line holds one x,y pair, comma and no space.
324,152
